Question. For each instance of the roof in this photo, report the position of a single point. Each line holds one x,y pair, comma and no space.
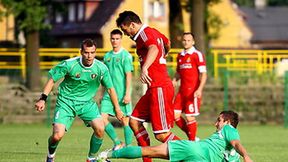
269,24
98,19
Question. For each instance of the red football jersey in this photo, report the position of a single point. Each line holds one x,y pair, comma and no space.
145,37
190,64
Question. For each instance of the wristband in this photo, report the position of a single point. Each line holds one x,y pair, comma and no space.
43,97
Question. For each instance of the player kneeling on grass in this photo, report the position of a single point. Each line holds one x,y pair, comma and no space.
215,148
82,77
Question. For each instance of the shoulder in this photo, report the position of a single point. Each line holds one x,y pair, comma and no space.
70,62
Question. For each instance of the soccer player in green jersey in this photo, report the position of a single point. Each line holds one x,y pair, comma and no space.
119,63
82,77
213,149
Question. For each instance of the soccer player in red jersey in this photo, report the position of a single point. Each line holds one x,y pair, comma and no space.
191,70
156,105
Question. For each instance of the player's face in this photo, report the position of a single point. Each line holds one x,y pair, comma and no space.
88,55
128,29
187,41
116,40
220,122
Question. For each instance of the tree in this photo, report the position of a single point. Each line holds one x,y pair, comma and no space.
29,16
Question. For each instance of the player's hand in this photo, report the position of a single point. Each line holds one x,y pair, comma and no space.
126,99
247,159
174,82
145,77
40,105
119,114
198,93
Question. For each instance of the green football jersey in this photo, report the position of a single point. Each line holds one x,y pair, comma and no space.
219,142
118,64
80,82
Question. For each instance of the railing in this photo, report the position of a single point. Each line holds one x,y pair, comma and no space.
239,60
248,60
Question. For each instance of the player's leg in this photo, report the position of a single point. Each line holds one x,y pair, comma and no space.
91,116
128,135
191,111
133,152
162,113
109,129
54,139
139,115
62,121
178,106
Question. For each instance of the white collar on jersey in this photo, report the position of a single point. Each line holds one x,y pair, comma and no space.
140,30
84,65
189,51
121,49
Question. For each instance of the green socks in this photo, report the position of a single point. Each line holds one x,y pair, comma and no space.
128,135
109,129
52,146
95,144
130,152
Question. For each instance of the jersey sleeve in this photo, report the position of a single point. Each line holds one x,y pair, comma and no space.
201,63
128,63
106,80
59,71
230,133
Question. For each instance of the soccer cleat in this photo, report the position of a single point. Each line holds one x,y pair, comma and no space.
103,156
91,160
117,147
48,159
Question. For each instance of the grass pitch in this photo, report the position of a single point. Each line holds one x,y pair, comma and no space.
28,143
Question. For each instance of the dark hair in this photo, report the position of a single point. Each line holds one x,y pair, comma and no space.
231,116
126,17
88,43
189,33
116,31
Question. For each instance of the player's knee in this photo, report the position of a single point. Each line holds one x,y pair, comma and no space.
133,124
160,137
57,137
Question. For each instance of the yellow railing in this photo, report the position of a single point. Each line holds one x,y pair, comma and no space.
15,58
248,60
240,60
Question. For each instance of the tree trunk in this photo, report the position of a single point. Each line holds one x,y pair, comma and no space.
175,23
197,23
32,61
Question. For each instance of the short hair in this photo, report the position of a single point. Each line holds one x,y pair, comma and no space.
231,116
127,17
189,33
88,43
116,31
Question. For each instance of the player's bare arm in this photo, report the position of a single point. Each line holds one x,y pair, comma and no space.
114,99
151,56
127,97
241,150
203,78
40,104
175,79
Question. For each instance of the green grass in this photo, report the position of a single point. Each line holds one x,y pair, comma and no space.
28,143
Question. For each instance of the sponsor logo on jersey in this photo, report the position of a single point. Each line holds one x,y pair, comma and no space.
85,70
93,76
77,75
186,66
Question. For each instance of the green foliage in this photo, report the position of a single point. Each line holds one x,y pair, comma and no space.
30,14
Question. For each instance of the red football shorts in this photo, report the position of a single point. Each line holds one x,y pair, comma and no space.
186,103
156,107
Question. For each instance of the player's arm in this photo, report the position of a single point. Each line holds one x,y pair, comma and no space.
127,97
40,104
241,150
151,56
112,93
175,78
203,78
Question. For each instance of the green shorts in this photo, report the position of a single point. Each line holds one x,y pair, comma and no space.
108,108
66,110
188,151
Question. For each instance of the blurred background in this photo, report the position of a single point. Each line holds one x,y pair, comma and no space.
245,43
